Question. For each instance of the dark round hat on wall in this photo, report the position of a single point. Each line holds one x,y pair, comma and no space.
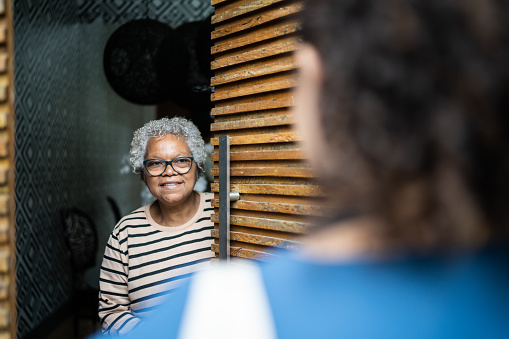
145,60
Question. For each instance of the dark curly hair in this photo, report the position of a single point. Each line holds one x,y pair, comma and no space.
415,105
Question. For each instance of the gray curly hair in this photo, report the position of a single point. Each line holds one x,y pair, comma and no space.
159,129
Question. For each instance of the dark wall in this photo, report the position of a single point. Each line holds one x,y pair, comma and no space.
72,132
72,135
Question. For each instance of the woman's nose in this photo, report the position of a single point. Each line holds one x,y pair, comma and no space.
169,171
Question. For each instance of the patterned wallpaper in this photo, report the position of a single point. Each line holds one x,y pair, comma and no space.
172,12
72,132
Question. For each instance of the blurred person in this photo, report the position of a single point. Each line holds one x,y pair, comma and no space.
402,105
153,249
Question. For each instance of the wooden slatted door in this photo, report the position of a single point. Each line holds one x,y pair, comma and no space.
254,73
7,232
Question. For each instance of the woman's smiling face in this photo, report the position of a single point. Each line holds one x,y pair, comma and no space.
170,189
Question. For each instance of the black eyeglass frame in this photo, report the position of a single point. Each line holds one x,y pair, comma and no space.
169,162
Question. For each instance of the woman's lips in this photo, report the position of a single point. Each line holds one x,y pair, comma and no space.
171,185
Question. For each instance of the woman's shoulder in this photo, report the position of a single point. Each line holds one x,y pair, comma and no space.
136,217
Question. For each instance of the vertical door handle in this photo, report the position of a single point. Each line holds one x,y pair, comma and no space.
225,198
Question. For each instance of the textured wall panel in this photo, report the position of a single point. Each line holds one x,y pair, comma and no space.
173,12
72,133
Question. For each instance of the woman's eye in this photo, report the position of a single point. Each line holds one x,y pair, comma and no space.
155,163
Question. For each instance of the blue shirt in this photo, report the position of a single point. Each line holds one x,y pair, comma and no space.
461,296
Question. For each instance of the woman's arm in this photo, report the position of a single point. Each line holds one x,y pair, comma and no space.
114,302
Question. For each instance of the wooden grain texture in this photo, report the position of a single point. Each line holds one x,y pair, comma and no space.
218,2
4,118
259,51
4,286
282,99
239,8
254,76
3,30
257,35
247,22
255,86
268,224
260,139
5,254
283,118
259,239
261,155
268,172
267,66
246,253
8,323
4,64
4,314
271,189
278,207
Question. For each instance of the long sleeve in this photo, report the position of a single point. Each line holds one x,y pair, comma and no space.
114,302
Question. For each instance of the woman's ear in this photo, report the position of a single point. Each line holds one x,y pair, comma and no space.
310,65
307,102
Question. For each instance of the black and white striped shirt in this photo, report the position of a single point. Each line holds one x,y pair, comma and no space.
144,262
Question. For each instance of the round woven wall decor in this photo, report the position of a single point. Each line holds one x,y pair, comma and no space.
145,60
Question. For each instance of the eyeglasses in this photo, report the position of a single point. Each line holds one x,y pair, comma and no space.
156,167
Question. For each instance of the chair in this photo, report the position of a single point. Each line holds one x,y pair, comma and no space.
81,240
115,209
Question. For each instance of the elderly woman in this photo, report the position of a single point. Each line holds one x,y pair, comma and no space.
154,248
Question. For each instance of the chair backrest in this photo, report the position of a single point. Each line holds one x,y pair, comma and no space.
81,238
114,208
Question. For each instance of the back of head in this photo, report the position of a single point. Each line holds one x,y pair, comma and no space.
415,109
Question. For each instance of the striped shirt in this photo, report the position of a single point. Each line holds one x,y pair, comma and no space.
144,262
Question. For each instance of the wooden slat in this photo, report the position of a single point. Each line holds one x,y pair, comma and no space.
5,168
4,286
4,118
267,224
267,172
257,35
4,314
264,121
276,130
4,58
240,8
271,189
276,64
262,155
262,50
277,207
217,2
246,253
255,86
4,203
4,229
270,113
3,31
260,139
287,146
246,22
5,256
259,239
254,103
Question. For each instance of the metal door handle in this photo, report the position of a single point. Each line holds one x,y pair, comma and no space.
225,198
